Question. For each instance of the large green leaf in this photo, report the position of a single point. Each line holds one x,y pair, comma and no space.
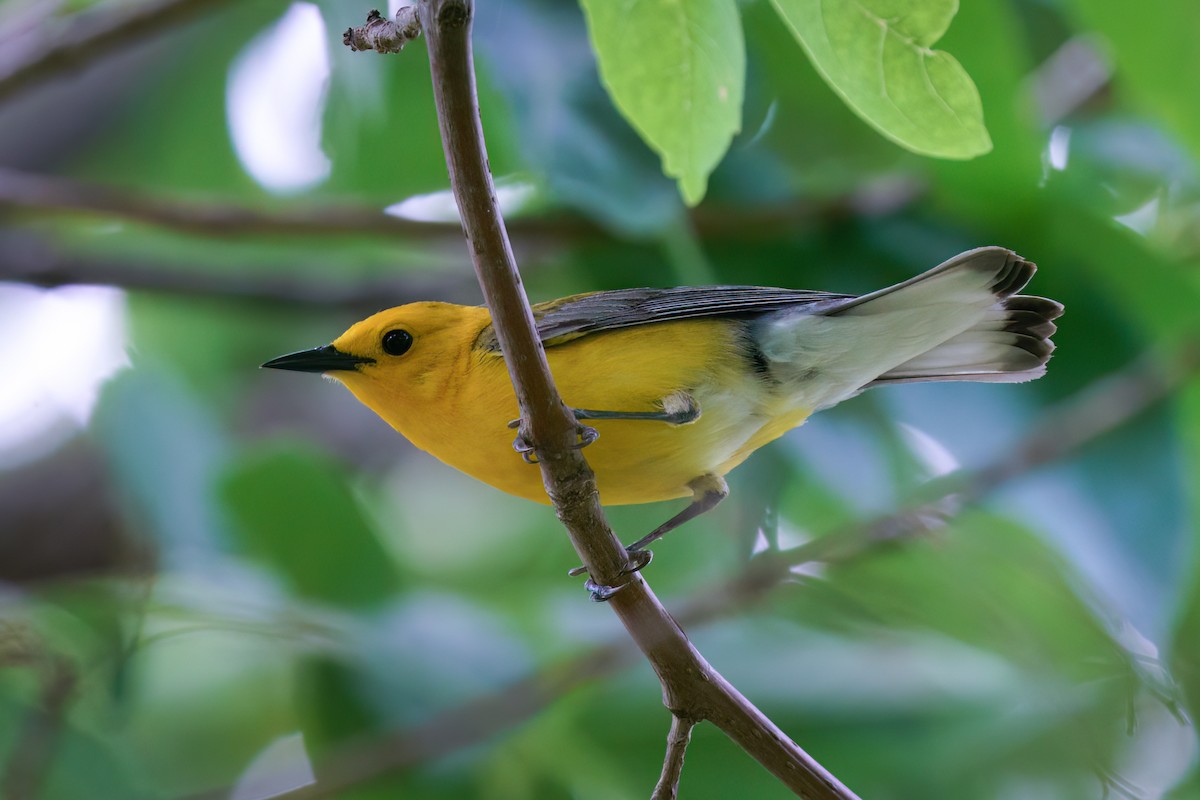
675,69
293,507
877,54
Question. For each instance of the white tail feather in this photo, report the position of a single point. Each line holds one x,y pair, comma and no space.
960,320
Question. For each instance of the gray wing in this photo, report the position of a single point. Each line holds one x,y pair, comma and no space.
623,308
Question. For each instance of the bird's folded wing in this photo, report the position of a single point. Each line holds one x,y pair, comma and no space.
560,321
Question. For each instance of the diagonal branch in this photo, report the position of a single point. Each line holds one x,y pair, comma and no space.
84,38
1099,408
691,687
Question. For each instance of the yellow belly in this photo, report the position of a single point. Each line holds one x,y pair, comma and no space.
635,461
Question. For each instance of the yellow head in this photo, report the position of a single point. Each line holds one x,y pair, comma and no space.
399,362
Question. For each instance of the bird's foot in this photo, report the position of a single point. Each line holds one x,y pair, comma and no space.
584,435
601,593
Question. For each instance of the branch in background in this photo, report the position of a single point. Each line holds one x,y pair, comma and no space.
79,40
27,260
692,689
24,191
1099,408
30,192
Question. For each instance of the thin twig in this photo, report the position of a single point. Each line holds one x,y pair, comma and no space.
1102,406
677,742
1097,409
80,40
690,685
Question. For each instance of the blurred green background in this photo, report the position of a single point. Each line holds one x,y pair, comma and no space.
214,580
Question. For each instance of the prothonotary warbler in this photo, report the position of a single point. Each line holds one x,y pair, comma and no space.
683,384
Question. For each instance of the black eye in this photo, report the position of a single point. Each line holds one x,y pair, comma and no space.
397,342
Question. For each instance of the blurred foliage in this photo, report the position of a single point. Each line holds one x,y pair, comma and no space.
283,578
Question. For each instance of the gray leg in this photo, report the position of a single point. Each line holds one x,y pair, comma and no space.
707,492
690,412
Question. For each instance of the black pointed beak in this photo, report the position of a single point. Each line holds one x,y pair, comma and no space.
319,359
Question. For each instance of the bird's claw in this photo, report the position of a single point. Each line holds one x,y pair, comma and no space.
601,593
584,435
638,560
527,450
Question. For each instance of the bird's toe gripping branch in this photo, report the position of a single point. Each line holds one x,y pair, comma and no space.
601,593
584,435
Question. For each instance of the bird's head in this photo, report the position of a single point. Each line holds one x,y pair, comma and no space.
396,358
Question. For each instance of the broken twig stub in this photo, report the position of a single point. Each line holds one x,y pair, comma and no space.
384,35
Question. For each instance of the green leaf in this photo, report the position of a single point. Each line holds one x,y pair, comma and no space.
675,69
292,506
877,55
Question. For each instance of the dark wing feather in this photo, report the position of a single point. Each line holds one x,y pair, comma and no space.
560,321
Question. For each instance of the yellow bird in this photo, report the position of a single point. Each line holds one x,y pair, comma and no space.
683,384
